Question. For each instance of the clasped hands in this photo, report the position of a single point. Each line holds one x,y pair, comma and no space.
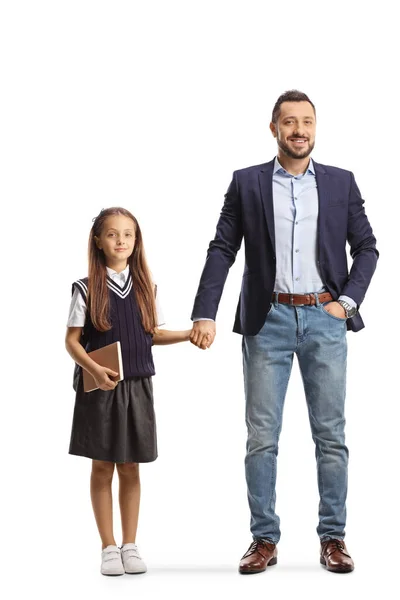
203,334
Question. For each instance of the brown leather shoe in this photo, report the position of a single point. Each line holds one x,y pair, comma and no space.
334,556
260,555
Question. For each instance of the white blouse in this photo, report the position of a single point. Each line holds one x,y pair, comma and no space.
77,309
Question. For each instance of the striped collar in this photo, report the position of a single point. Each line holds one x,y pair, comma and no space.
122,275
123,291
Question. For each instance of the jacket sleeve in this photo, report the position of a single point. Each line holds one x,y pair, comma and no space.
362,246
221,255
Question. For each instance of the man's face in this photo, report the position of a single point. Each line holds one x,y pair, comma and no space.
295,129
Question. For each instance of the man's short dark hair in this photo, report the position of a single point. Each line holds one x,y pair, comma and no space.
290,96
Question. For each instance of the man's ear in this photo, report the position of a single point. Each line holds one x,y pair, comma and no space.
273,129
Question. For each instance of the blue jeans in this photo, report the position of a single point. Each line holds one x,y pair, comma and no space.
319,340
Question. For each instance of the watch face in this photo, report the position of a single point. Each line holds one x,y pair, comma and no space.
350,311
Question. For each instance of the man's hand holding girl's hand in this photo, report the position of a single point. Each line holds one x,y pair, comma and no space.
203,334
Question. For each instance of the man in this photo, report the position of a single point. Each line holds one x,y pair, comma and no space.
297,297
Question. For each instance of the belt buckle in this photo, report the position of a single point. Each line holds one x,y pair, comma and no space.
291,299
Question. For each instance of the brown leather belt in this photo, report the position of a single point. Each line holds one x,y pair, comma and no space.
300,299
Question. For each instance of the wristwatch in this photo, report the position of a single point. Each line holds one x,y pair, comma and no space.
350,311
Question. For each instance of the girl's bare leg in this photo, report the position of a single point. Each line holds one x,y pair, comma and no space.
101,495
129,500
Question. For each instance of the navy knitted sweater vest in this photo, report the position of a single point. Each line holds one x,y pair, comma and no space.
126,327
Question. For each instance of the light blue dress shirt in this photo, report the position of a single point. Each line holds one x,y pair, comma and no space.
295,200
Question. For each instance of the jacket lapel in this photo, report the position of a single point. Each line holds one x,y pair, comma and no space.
265,181
323,189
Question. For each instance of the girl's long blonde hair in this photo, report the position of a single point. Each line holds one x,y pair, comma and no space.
98,296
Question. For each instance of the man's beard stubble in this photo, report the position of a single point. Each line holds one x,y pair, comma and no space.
296,155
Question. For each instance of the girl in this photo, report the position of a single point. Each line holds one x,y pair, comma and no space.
115,424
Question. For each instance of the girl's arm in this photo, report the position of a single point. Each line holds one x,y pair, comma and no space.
80,356
162,337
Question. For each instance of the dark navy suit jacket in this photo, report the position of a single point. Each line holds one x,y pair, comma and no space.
248,213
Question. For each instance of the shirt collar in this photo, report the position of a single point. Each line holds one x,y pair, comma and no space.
111,273
278,167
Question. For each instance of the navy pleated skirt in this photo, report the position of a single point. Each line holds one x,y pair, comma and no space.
116,425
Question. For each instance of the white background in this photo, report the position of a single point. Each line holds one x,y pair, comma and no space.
152,105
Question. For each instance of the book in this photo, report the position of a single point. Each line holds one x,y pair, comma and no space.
108,356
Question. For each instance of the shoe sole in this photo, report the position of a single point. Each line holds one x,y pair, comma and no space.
338,569
112,574
271,563
135,572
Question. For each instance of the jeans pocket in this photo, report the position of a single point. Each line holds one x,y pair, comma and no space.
329,314
271,309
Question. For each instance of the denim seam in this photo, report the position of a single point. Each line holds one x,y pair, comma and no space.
274,461
320,457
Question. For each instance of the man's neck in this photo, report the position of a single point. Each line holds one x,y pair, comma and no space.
294,166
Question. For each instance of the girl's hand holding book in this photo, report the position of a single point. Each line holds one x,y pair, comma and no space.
102,379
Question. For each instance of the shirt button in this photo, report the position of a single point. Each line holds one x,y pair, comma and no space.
297,278
296,223
296,250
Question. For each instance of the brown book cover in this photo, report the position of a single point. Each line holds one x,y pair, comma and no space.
109,356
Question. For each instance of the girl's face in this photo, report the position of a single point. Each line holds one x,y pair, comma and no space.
117,239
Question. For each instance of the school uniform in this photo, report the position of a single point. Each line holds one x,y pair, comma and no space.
116,425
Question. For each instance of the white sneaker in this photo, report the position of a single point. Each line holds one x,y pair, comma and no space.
132,560
111,563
